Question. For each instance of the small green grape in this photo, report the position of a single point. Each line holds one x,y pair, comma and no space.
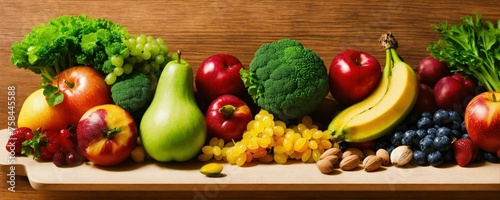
155,49
127,68
160,59
146,55
141,39
148,47
118,71
110,78
139,46
146,68
117,60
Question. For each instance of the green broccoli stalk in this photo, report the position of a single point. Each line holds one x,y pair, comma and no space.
286,79
134,93
67,41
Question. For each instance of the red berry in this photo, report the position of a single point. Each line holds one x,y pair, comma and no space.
45,154
29,135
52,147
465,151
64,133
49,135
66,143
59,159
16,139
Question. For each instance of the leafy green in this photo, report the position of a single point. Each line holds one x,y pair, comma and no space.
472,48
32,146
67,41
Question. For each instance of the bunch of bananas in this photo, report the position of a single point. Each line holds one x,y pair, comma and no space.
385,107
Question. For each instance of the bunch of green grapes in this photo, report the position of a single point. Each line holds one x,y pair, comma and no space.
266,140
145,54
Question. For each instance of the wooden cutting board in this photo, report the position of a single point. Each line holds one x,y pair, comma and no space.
254,177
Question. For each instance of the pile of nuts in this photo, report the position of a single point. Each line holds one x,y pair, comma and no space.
353,158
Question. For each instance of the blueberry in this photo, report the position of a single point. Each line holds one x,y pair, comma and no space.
491,157
432,132
424,123
435,158
462,127
465,136
456,134
426,114
441,117
421,133
410,138
419,158
442,143
455,125
443,131
389,149
455,116
426,145
396,138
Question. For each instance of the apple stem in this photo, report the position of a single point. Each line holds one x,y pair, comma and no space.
494,97
227,111
110,133
69,84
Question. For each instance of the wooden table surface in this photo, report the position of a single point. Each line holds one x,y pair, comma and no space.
204,27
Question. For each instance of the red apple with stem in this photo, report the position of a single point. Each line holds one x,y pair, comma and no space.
353,76
227,118
482,121
106,134
83,87
217,75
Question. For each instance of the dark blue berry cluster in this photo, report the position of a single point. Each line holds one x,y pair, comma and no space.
430,136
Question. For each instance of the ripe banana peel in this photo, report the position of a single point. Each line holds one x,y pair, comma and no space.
384,108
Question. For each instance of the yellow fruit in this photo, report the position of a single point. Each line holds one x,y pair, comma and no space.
36,113
211,169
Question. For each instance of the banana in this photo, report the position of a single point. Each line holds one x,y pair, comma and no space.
381,111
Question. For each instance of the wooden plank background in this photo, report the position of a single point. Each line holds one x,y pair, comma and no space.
204,27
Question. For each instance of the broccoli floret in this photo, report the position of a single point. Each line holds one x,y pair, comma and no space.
286,79
133,93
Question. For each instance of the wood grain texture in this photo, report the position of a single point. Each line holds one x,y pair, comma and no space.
204,27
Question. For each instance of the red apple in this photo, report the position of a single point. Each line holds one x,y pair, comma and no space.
217,75
450,93
353,76
482,121
454,92
425,101
227,118
106,134
83,88
430,70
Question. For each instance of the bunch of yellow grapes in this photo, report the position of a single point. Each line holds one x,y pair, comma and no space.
266,140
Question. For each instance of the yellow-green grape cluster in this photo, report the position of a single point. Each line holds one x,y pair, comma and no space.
145,53
267,140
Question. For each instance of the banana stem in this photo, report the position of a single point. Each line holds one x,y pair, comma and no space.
395,56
